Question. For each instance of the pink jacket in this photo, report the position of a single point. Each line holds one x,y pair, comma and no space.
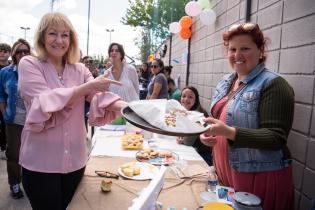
54,136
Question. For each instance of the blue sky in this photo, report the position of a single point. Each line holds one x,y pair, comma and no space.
105,14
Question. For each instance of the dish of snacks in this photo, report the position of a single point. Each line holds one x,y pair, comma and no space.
132,141
156,157
178,123
138,171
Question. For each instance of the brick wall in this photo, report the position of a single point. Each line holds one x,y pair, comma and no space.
290,25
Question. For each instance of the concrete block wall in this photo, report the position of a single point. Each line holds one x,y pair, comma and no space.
290,26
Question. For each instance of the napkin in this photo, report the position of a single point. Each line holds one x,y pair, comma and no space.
155,112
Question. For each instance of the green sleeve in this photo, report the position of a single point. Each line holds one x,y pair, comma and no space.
276,110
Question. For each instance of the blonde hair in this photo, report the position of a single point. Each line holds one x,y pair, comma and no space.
53,19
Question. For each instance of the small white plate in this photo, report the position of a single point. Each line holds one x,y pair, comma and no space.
147,171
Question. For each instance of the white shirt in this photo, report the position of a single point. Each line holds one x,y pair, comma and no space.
129,90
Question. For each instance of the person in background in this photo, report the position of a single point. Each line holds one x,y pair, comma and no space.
89,63
13,111
190,100
54,87
168,71
157,88
5,51
252,111
174,92
145,75
122,72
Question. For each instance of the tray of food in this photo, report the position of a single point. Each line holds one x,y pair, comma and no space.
132,141
138,170
169,120
156,157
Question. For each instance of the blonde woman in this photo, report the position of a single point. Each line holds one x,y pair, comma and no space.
54,87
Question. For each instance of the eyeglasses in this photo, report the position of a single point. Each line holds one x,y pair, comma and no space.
24,51
244,26
154,66
4,50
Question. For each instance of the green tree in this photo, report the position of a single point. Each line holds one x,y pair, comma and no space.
154,17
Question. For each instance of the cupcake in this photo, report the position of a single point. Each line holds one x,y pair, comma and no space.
106,185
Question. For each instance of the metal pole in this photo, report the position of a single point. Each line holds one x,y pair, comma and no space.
25,29
88,30
110,34
248,10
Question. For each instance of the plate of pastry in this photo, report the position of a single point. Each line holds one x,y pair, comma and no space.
156,157
138,170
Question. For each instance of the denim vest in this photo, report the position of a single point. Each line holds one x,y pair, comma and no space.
242,111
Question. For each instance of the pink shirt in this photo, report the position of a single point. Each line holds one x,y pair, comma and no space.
54,135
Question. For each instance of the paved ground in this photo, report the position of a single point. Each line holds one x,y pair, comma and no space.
6,202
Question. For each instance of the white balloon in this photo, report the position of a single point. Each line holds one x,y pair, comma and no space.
207,17
193,8
175,27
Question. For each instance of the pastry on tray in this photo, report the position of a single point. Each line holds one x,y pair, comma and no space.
132,141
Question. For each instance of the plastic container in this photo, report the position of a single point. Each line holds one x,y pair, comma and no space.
246,201
212,180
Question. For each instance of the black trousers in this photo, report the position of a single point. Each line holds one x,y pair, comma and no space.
50,191
13,132
3,141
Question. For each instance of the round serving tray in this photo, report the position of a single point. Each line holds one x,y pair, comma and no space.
137,121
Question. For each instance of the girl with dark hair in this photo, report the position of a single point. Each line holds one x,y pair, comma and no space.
190,100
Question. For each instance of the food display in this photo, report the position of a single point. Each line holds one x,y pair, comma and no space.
156,157
170,118
137,171
166,117
106,185
132,141
130,169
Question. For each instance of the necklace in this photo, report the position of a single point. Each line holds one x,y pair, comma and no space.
60,76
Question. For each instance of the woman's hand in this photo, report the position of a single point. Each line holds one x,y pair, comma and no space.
219,128
208,140
118,105
101,83
179,140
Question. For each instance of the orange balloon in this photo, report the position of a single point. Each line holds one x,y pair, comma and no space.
185,33
185,21
151,57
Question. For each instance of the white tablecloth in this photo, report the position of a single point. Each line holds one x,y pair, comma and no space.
107,142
